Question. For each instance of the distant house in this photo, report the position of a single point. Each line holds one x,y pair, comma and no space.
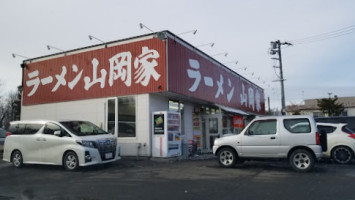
310,107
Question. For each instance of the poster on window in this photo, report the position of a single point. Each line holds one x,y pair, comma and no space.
238,122
159,124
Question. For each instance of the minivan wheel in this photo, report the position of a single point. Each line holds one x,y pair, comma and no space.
342,155
71,161
227,157
301,160
16,158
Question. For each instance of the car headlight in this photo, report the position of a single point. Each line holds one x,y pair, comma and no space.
87,143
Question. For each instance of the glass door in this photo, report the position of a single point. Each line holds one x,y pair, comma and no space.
111,116
211,129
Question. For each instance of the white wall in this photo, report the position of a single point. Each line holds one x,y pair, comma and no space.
351,111
91,110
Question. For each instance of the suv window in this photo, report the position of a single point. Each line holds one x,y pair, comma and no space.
263,127
301,125
326,129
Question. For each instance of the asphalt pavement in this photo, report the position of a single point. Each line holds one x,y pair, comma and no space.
197,178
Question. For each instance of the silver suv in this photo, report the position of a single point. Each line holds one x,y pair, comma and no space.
284,137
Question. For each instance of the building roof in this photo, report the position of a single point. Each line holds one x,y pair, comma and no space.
312,104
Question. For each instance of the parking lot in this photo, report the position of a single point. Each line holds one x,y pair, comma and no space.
177,179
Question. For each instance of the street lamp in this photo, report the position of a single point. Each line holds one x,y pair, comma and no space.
92,37
144,26
14,55
225,54
49,47
210,44
193,32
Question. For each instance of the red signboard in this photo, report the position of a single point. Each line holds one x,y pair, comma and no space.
194,75
135,67
130,68
238,122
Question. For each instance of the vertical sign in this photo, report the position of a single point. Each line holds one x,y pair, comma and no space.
158,124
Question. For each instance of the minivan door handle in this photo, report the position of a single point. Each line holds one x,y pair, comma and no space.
273,138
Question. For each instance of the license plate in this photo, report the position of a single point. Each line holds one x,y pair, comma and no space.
108,155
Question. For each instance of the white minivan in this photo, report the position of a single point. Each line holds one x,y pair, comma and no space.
69,143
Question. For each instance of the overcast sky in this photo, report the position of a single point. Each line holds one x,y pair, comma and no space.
313,66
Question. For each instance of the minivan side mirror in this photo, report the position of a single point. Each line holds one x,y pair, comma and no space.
57,133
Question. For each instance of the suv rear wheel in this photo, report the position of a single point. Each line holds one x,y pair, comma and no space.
227,157
301,160
17,159
342,154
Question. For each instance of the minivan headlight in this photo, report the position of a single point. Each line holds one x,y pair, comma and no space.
87,143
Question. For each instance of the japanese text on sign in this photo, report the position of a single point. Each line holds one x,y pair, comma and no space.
248,98
120,68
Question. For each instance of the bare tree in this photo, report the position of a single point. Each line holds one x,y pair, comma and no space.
2,105
10,107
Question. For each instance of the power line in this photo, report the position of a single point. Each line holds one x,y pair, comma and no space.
324,36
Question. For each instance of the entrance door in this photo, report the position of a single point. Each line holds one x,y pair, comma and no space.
211,130
111,116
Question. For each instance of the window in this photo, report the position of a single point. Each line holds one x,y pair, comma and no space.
32,128
25,129
82,128
301,125
50,128
344,113
111,112
263,127
213,125
17,129
346,129
175,106
227,124
326,129
126,111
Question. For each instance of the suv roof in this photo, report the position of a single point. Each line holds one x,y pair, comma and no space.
284,117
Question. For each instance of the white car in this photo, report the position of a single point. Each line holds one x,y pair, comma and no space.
68,143
341,142
294,138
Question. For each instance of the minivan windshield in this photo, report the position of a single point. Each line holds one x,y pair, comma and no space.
83,128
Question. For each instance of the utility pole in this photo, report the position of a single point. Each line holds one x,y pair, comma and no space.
276,48
268,103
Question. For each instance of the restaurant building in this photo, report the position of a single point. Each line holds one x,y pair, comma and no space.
119,85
